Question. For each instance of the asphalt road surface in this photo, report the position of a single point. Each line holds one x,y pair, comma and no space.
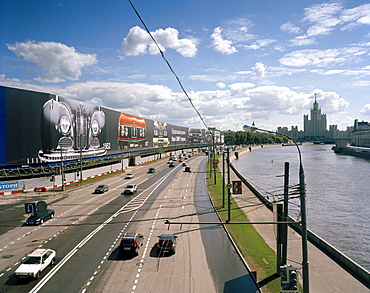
87,228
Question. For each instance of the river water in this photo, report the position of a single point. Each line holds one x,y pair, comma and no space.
337,192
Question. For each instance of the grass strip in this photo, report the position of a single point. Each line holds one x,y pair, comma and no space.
259,256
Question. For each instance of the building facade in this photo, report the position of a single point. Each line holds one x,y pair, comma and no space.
361,134
315,128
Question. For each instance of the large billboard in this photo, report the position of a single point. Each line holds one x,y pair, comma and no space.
44,128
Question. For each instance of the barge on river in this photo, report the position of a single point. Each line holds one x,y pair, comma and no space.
353,151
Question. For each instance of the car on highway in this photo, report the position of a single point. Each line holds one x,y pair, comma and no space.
184,164
101,188
130,244
187,169
166,244
40,217
37,260
129,175
172,164
130,189
151,170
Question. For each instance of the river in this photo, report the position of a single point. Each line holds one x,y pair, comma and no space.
337,192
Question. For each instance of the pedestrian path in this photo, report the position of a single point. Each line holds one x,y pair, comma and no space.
325,275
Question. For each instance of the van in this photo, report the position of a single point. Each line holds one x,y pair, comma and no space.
130,244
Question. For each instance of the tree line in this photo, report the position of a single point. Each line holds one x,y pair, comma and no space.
248,138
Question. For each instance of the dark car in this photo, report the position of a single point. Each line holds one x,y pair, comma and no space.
101,189
166,244
187,169
130,244
172,164
151,170
40,217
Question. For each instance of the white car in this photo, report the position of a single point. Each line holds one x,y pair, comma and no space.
130,189
129,175
36,261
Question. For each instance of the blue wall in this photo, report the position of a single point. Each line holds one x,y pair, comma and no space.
2,126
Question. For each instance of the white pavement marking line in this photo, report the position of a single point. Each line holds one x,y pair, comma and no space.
145,251
51,273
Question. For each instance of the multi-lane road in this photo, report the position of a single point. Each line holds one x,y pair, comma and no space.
87,229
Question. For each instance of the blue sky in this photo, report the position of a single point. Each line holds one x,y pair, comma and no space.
239,61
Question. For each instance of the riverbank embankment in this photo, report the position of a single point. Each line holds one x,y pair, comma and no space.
326,275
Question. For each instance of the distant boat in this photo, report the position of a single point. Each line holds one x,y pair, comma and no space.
362,152
290,143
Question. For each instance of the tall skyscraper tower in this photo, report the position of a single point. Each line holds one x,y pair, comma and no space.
316,127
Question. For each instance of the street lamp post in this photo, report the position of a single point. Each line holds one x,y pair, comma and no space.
302,195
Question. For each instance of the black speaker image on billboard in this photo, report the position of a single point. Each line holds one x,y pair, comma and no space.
69,128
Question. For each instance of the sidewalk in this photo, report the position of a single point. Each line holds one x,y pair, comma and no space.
325,275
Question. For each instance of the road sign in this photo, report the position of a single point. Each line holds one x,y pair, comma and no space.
237,187
30,208
41,206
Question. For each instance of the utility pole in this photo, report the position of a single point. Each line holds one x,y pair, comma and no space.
223,179
214,158
284,253
228,187
305,268
279,234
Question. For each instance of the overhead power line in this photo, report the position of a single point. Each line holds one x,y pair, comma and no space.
169,65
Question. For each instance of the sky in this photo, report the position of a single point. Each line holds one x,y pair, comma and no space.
238,61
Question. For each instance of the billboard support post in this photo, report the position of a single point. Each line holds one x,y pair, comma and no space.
80,158
62,169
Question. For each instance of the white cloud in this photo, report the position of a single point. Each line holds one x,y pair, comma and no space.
221,85
356,16
290,28
58,60
325,16
276,99
252,47
302,41
212,78
265,42
315,57
221,45
365,110
324,19
260,69
323,27
239,87
331,102
281,71
237,30
139,42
